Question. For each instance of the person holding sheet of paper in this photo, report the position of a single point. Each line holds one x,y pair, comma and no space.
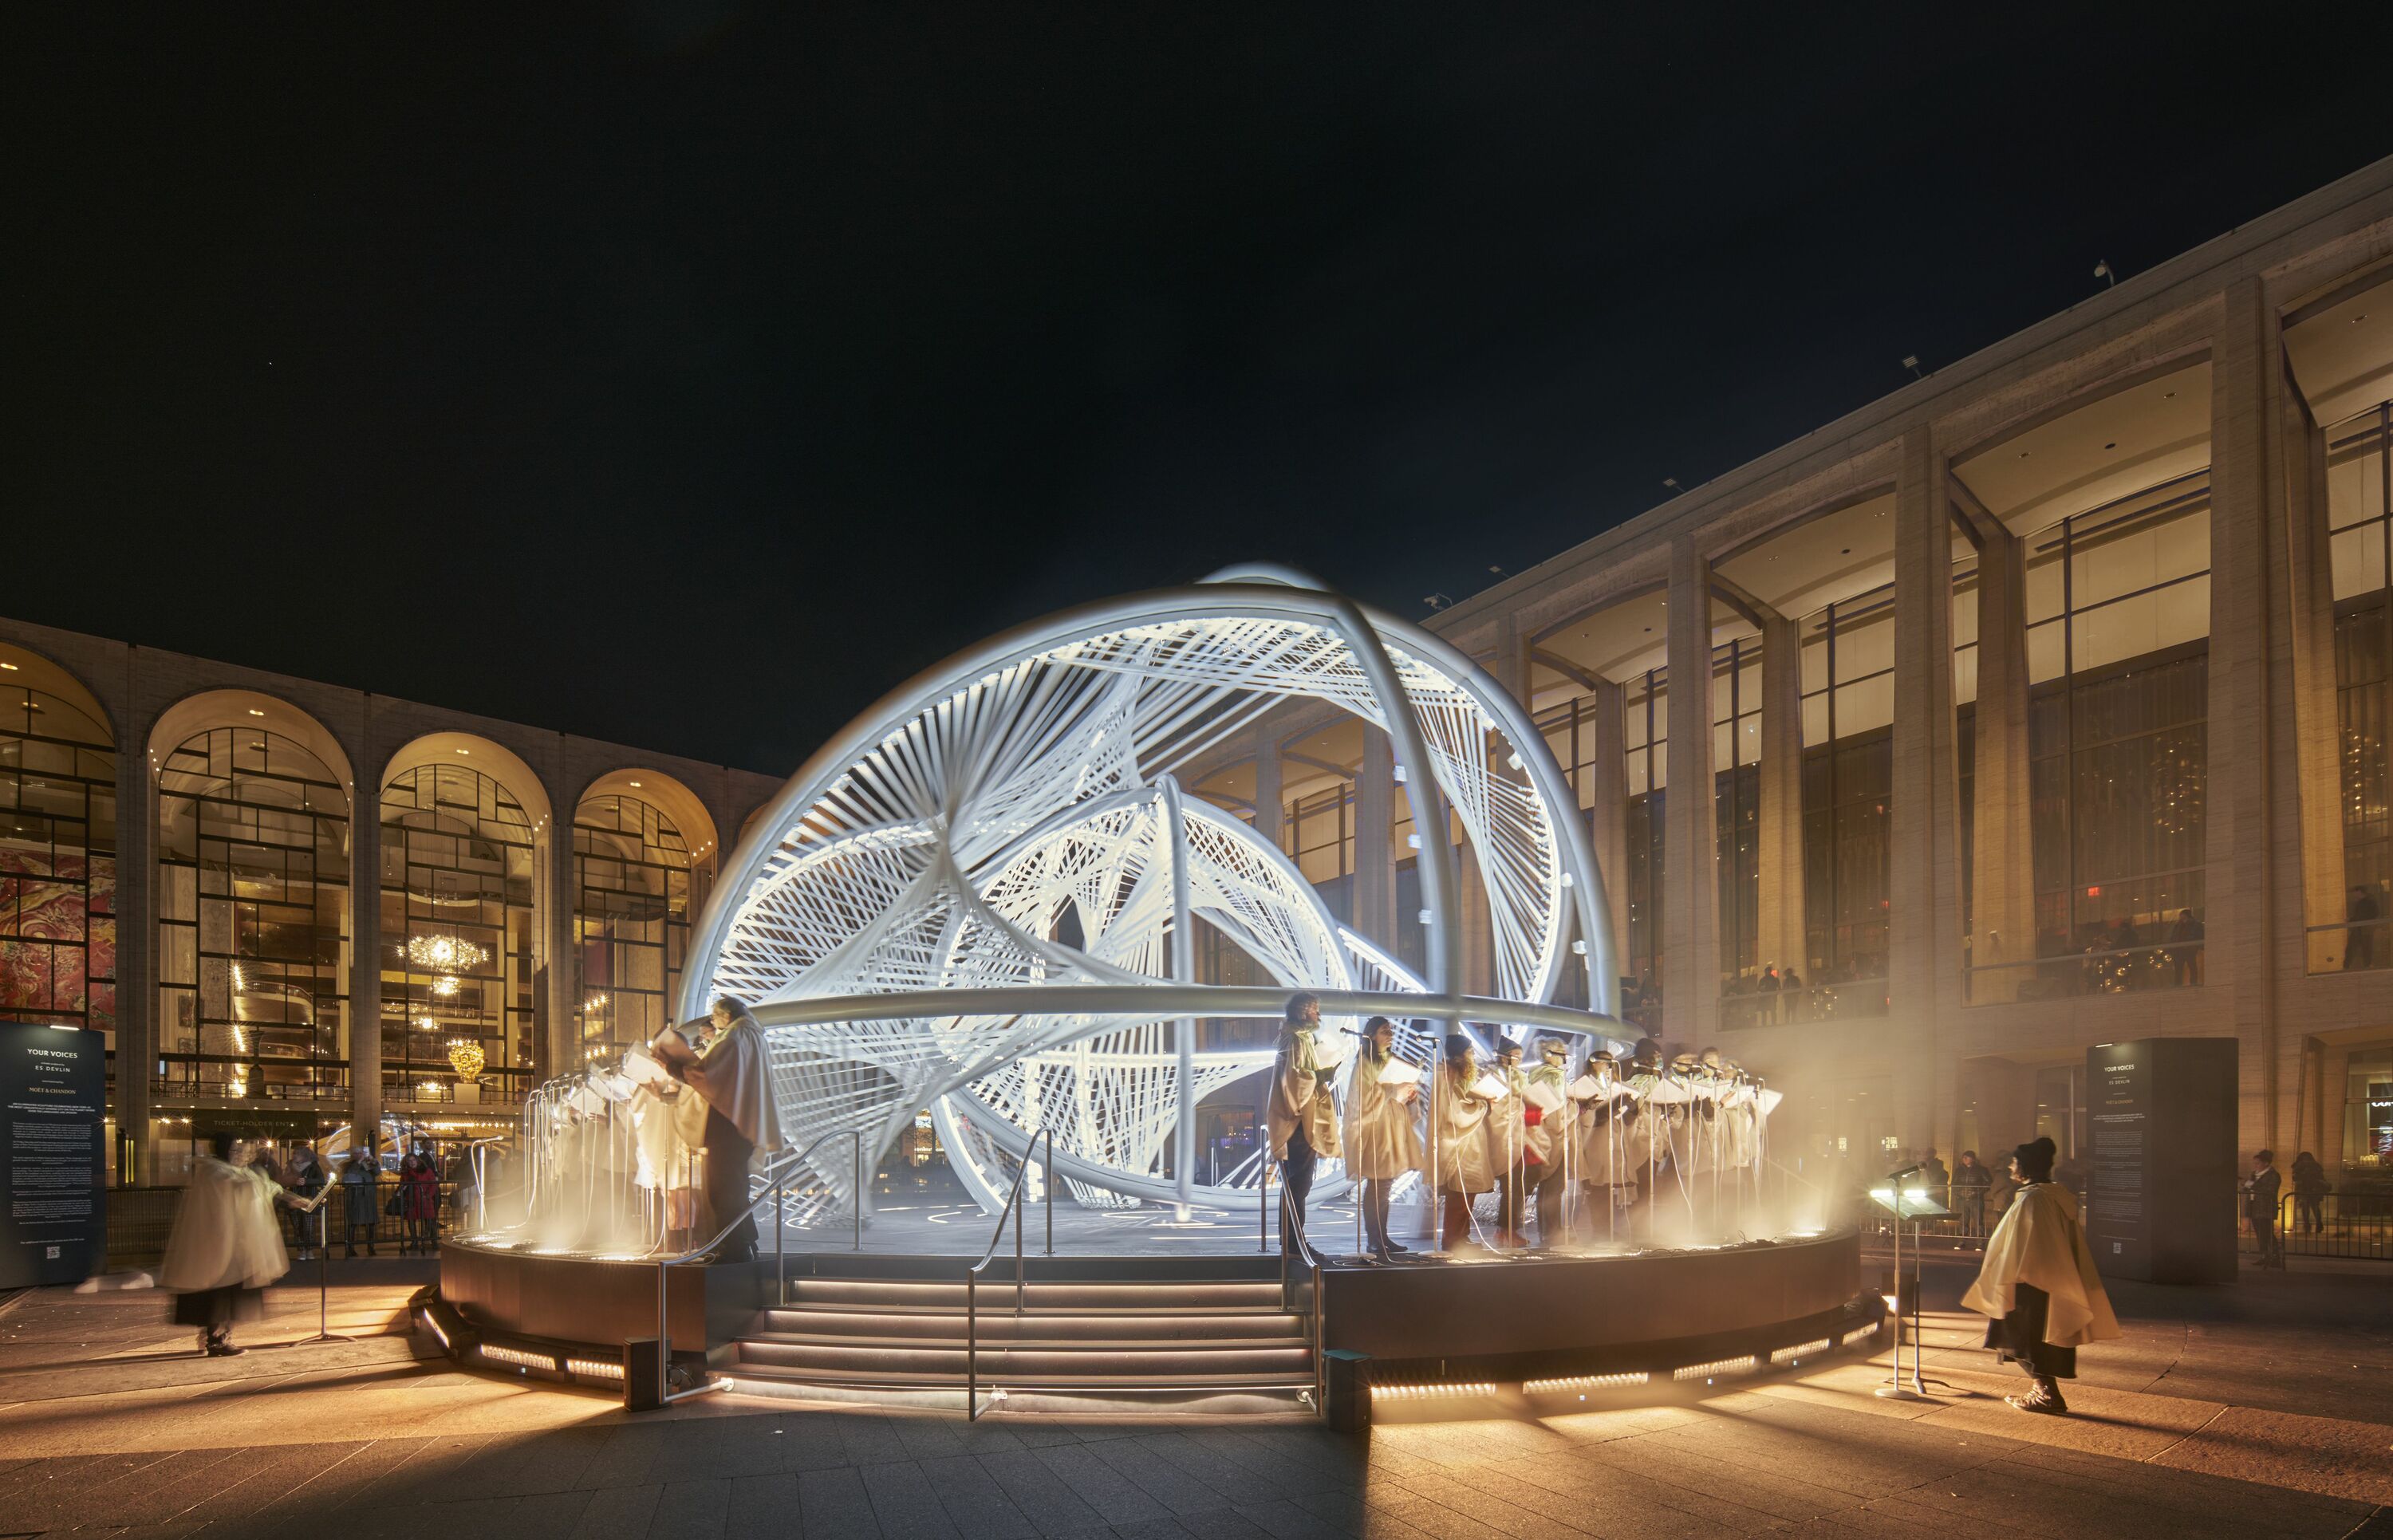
1546,1129
1508,1148
732,1075
1383,1139
1301,1112
1464,1169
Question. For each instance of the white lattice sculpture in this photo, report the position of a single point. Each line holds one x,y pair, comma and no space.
976,899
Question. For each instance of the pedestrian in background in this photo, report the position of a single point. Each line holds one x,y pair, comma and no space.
358,1199
2309,1193
305,1177
1970,1183
2260,1193
226,1247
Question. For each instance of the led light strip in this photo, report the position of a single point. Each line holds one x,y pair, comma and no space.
518,1358
1860,1333
1802,1351
596,1368
1584,1382
1716,1367
1442,1389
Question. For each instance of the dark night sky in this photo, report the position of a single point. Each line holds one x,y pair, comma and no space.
689,374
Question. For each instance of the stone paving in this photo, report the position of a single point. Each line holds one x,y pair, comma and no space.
2261,1410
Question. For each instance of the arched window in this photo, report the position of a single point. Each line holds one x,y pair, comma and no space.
635,890
460,923
58,855
253,917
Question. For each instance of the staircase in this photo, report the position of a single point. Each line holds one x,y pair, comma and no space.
1164,1330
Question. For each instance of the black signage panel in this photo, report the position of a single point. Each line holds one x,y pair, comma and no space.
53,1156
2160,1204
2119,1108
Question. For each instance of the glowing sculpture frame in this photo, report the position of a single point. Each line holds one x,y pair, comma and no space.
897,914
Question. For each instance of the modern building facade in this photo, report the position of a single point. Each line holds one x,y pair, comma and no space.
301,905
2040,705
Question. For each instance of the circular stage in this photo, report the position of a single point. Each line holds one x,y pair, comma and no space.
1196,1332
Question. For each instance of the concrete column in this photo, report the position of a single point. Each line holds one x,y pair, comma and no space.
136,939
1271,821
562,1040
2003,857
2241,923
1510,667
1375,844
1606,795
2318,748
1782,939
1922,878
1689,901
366,941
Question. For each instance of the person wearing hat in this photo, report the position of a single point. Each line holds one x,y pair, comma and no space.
1300,1109
1546,1120
1599,1132
1460,1149
1383,1139
1508,1151
2038,1285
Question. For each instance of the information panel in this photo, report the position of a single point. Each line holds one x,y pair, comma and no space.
2161,1202
2119,1108
53,1155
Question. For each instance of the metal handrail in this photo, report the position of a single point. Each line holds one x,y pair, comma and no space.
1317,1308
777,1173
1011,1210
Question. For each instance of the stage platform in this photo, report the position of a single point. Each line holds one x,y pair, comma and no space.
1143,1304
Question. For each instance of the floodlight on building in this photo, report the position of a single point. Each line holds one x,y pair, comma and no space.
2102,270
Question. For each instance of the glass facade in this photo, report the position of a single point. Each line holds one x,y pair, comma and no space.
57,860
2118,614
1848,684
2359,493
253,919
634,892
461,906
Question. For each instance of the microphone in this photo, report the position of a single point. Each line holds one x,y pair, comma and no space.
1898,1176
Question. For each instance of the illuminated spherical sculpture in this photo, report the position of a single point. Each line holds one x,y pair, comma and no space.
977,898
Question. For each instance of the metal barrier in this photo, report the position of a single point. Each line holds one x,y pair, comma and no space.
140,1219
2355,1223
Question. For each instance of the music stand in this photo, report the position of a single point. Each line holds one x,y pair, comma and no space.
1906,1203
315,1205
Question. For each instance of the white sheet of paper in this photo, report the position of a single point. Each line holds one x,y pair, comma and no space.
1489,1089
1668,1092
1586,1088
1544,1097
645,1067
1770,1100
1396,1071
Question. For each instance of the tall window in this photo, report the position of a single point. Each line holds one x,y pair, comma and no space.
1645,704
633,891
2118,617
1324,827
2360,493
252,919
1736,759
1848,680
461,901
57,861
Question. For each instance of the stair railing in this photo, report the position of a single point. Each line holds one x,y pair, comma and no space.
1012,1210
777,1179
1314,1305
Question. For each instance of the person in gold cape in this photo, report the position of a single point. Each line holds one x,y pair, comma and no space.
732,1075
2039,1285
1301,1107
1382,1133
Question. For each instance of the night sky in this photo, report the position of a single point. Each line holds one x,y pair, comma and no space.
689,374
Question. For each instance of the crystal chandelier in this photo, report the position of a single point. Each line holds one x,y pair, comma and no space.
466,1058
446,954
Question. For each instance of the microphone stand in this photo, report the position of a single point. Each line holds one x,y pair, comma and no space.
324,1332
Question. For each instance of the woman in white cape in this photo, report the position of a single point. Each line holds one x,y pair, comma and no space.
225,1247
1383,1139
2039,1284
